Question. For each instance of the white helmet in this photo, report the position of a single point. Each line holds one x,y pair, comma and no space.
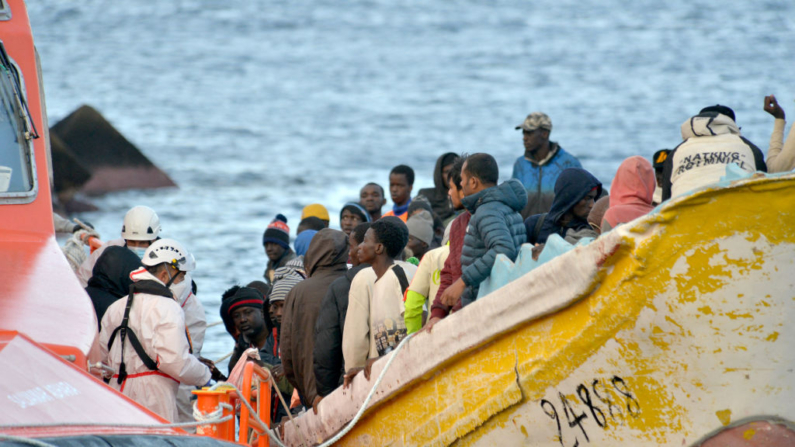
140,224
170,252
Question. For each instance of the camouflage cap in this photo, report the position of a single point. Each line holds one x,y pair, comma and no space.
536,120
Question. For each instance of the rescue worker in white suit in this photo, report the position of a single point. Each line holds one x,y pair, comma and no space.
140,229
144,338
196,321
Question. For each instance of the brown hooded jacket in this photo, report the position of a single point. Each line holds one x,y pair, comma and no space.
325,261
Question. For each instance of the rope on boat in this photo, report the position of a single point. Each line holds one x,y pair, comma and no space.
366,402
211,416
216,323
224,357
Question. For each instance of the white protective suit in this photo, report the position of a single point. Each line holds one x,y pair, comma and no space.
160,326
86,269
197,325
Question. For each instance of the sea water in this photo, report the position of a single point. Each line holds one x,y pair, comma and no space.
258,108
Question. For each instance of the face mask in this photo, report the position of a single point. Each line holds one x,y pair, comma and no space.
139,251
182,290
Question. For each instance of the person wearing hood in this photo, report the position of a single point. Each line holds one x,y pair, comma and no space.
495,227
575,193
541,164
351,215
152,331
437,196
141,227
712,141
111,278
325,261
632,193
303,240
328,357
276,241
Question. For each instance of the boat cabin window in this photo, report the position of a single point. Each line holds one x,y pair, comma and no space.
16,170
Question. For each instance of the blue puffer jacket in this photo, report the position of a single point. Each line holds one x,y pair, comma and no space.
539,178
496,227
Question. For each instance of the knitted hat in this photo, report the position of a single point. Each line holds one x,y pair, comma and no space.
277,232
356,209
244,297
315,210
285,279
421,226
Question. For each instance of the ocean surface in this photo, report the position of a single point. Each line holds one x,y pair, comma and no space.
258,108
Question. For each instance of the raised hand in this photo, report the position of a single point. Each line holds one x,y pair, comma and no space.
772,107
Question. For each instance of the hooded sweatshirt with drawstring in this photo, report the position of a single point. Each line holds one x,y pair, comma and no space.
437,196
572,185
325,261
632,191
712,141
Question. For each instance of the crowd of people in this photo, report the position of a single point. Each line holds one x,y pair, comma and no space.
333,301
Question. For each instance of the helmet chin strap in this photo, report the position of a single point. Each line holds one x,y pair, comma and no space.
170,278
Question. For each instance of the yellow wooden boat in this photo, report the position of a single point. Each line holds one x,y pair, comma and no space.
666,331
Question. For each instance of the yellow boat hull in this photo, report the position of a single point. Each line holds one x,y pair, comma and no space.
661,332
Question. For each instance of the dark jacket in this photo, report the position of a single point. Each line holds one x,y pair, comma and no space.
495,227
452,266
325,261
328,360
437,196
111,278
572,185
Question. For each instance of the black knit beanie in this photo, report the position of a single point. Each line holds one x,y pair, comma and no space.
277,232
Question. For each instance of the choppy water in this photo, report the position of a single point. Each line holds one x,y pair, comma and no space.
256,108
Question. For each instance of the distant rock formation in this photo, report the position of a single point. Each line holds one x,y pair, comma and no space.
86,143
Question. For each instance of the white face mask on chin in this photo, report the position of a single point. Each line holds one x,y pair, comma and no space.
182,290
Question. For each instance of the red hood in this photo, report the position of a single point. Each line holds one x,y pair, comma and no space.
632,191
